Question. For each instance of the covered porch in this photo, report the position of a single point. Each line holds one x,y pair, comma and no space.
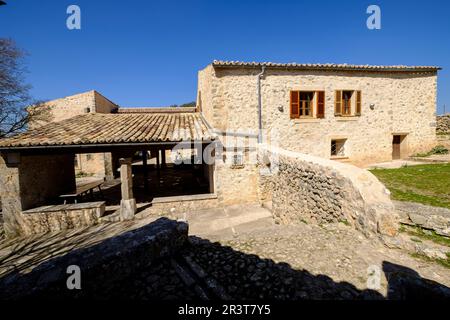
153,157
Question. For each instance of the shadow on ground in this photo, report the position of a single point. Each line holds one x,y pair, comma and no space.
199,270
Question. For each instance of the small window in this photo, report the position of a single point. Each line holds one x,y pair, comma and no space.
338,147
89,157
238,159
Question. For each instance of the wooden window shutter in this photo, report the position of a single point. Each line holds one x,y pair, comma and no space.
358,103
338,103
294,104
320,104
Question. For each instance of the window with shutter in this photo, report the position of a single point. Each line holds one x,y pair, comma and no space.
320,104
294,104
347,103
358,103
338,103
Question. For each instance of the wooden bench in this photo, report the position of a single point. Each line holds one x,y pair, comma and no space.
82,190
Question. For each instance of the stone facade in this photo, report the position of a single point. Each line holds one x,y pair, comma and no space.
309,189
402,103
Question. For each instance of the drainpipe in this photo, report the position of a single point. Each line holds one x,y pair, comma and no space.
260,75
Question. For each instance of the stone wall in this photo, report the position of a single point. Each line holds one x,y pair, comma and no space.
205,93
94,164
404,103
102,104
32,181
61,217
175,207
235,185
443,124
444,140
103,264
310,189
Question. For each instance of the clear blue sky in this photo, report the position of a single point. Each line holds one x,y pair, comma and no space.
147,53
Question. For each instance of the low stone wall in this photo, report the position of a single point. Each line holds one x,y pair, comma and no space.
61,217
102,265
174,207
443,123
316,190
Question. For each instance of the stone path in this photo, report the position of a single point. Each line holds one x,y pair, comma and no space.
394,164
335,252
227,221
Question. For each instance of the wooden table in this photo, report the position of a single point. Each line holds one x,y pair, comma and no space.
82,190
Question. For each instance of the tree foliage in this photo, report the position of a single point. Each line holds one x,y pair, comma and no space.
15,96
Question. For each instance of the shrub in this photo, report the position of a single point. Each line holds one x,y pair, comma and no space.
439,150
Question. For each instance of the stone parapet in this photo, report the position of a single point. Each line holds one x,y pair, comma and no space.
309,189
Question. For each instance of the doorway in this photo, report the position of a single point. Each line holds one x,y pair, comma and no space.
398,146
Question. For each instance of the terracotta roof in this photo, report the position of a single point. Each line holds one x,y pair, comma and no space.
155,110
326,66
99,128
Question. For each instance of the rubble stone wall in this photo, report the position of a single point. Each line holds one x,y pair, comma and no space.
309,189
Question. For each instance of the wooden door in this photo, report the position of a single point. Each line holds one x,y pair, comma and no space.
396,147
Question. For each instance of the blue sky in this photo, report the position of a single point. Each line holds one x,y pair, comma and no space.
147,53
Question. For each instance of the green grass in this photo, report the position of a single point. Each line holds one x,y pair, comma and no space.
428,184
426,235
442,262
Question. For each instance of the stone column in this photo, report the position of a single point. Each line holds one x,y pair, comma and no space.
128,203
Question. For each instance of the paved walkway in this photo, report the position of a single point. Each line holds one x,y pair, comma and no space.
228,221
433,159
394,164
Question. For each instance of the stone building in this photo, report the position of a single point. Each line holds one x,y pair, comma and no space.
358,114
283,135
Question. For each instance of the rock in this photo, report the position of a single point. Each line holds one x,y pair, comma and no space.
417,219
434,253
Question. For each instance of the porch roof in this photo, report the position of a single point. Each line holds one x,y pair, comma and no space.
109,129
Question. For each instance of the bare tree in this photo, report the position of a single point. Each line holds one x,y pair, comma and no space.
15,99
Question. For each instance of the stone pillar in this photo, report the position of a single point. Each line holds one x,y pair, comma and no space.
128,203
10,195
